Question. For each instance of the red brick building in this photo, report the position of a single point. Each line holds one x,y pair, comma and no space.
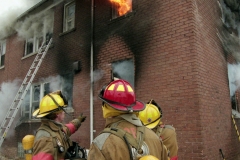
169,50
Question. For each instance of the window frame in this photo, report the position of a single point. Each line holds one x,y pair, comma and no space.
67,19
36,42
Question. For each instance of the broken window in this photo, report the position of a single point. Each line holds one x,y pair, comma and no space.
234,100
2,52
69,16
121,7
124,69
29,46
33,44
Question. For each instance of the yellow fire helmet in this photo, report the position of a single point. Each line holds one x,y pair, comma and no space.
148,157
150,116
50,103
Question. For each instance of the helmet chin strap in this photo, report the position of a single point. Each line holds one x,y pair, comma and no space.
59,107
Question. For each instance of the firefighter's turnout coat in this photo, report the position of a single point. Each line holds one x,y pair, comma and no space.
168,135
52,139
107,146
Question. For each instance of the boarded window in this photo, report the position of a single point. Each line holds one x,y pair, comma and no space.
124,69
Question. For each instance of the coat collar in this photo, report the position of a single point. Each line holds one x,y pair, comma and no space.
132,118
55,126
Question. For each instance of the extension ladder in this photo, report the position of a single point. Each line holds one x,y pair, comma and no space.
16,104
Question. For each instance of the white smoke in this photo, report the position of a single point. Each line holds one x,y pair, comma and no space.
9,11
234,77
8,91
35,25
124,70
55,82
229,18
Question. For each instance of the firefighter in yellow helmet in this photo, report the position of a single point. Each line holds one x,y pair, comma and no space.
148,157
124,136
52,138
151,118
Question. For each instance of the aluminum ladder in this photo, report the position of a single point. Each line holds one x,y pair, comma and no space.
16,104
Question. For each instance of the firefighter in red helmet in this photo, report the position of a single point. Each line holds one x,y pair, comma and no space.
151,118
124,136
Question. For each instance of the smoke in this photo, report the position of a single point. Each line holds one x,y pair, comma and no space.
9,11
234,77
231,43
124,70
229,18
8,91
63,83
54,82
231,23
30,27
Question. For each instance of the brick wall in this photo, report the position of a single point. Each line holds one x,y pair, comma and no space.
179,62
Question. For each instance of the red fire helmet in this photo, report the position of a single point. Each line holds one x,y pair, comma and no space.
120,95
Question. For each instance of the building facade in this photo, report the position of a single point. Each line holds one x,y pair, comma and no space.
172,51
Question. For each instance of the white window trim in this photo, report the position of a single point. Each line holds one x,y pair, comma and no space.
66,20
36,45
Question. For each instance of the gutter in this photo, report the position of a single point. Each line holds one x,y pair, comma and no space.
91,75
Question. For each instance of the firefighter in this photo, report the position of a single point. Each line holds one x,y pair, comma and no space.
124,136
52,138
151,118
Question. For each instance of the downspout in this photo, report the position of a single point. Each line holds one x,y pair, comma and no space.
91,75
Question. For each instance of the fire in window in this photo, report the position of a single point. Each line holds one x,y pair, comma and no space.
121,7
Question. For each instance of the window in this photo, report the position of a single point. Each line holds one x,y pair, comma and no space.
120,8
33,44
32,99
20,150
69,16
124,70
37,91
2,52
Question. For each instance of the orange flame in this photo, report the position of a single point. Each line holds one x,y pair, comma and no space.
123,6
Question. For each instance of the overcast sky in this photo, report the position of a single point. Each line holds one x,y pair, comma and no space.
18,6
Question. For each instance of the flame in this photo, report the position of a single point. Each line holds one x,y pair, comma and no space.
123,6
